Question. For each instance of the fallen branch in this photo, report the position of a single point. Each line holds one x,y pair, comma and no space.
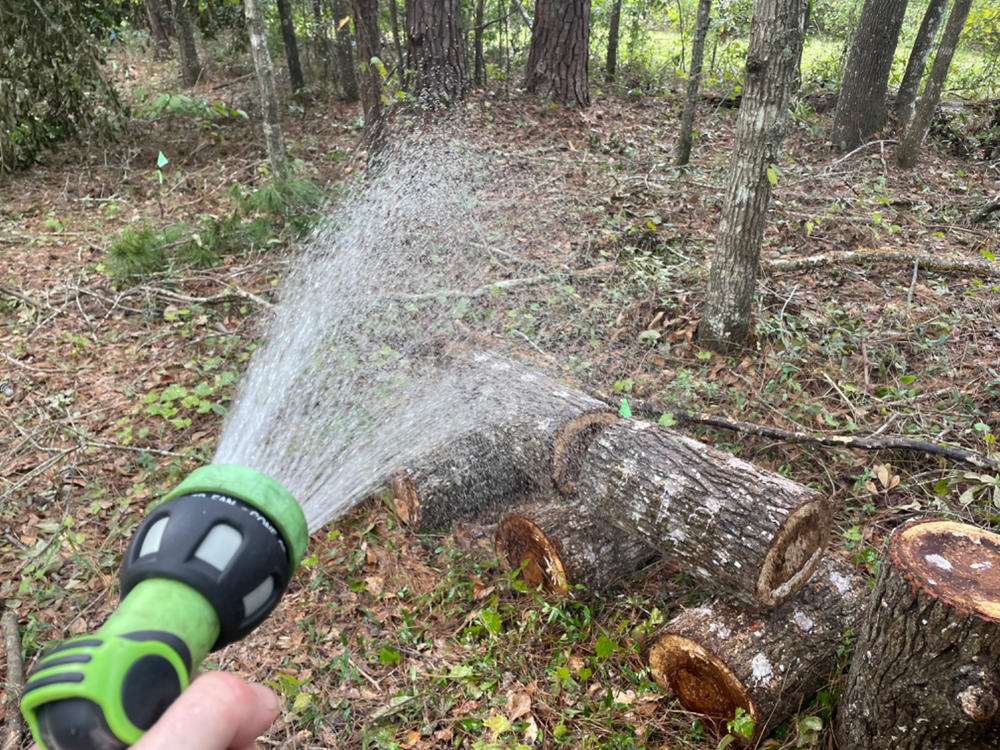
986,210
862,257
15,679
862,442
506,285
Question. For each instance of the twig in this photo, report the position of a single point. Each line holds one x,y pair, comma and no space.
506,285
862,442
15,679
913,282
236,293
861,257
862,147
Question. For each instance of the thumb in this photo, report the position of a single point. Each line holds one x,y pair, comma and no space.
218,711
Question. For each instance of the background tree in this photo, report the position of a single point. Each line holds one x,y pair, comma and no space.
683,151
270,108
909,149
291,44
776,35
158,20
190,64
435,51
917,61
370,79
861,108
614,28
557,63
344,43
479,65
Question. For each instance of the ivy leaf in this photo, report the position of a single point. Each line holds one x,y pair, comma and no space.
667,420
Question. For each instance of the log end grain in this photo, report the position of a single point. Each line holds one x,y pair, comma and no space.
954,562
570,444
522,545
795,551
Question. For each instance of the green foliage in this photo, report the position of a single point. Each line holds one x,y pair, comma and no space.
51,83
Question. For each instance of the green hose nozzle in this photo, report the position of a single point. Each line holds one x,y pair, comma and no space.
204,568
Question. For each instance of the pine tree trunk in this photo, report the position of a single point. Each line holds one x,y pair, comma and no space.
157,29
479,72
291,44
926,669
861,109
347,79
435,51
683,153
560,548
716,658
909,149
731,526
190,65
614,29
269,105
917,61
557,62
322,39
370,82
396,37
771,71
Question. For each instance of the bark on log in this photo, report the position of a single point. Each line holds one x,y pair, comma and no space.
531,436
716,659
926,670
559,548
730,525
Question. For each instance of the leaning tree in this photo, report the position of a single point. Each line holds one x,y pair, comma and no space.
557,62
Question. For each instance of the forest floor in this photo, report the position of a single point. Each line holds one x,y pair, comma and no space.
387,639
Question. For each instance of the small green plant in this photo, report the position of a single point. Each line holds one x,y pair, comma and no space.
740,728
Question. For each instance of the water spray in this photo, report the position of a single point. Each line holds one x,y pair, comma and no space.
205,567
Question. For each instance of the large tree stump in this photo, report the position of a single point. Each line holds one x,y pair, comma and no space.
531,435
732,526
716,658
926,670
558,548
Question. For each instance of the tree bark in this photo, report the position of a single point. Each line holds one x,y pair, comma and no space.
926,670
771,71
157,29
533,440
269,106
917,61
396,37
909,149
291,44
322,39
715,659
560,548
861,108
733,527
557,62
479,66
683,153
370,81
347,80
614,29
190,65
435,52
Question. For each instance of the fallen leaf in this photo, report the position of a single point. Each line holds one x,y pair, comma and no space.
518,704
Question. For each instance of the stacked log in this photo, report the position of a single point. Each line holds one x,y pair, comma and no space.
717,658
926,669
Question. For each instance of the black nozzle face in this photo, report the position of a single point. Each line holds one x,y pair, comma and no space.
75,724
219,545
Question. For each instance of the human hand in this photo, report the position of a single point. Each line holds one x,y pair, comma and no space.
218,711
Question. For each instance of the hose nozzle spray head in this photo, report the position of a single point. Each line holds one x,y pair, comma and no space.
204,568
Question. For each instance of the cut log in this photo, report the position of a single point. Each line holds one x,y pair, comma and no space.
926,669
559,548
531,434
715,659
733,527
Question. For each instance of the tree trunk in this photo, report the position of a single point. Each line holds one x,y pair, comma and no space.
557,62
347,80
370,81
614,28
291,44
683,152
479,71
730,525
909,149
533,440
190,65
269,106
926,670
322,39
919,54
435,51
861,108
396,37
771,70
157,29
558,547
715,659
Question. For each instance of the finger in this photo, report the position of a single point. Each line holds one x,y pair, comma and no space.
218,711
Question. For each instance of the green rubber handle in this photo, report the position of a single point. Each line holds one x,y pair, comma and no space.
110,687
